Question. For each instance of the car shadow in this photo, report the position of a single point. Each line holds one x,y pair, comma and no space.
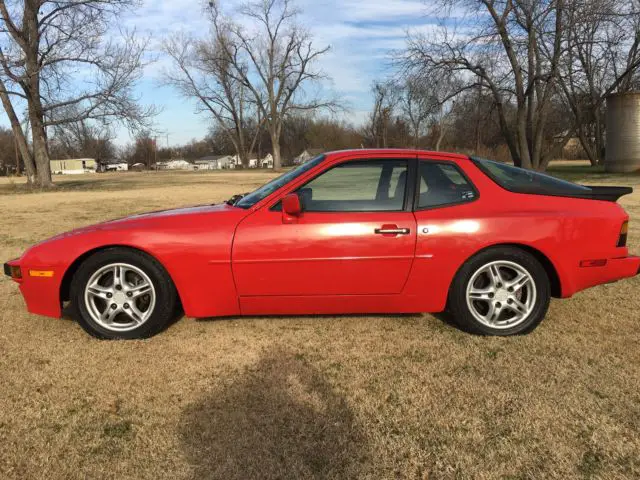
277,419
447,319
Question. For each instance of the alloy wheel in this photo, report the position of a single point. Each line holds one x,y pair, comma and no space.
501,294
120,297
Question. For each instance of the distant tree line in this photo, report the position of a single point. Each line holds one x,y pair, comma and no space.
546,66
514,79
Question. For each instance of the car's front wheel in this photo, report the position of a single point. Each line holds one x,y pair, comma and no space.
500,291
121,293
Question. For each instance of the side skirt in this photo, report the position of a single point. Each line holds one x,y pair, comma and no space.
329,304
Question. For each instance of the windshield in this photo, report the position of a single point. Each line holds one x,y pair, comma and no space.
520,180
267,189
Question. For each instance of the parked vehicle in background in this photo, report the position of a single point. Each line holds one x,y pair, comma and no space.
363,231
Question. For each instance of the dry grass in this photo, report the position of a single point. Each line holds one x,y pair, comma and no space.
338,397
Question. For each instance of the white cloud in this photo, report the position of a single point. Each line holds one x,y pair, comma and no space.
361,36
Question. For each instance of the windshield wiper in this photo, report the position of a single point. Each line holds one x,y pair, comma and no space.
233,200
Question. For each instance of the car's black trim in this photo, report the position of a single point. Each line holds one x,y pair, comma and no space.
410,186
610,194
604,193
7,270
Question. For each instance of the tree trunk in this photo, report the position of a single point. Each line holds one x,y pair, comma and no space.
242,150
523,144
275,149
40,150
441,133
29,167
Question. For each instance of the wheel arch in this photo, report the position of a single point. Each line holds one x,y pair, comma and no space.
65,285
545,261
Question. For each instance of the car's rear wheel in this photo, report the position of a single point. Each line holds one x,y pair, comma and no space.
120,293
500,291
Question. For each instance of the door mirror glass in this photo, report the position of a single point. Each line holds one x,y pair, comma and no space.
291,205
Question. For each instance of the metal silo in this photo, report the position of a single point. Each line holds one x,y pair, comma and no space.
623,132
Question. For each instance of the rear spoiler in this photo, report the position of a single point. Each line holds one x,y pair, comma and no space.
608,194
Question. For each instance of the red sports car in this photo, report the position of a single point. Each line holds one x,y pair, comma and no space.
364,231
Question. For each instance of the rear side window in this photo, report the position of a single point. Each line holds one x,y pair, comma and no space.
520,180
357,186
443,184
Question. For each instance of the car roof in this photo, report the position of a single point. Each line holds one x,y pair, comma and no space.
397,151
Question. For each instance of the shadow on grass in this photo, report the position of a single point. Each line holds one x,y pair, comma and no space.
278,419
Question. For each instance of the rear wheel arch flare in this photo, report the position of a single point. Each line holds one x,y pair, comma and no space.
547,264
65,286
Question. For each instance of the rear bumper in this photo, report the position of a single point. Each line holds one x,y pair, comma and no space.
624,267
615,269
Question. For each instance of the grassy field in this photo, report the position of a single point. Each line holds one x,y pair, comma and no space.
313,397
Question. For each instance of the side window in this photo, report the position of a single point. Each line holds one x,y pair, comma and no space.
357,186
443,184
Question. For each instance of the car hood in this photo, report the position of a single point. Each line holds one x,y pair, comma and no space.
195,210
143,219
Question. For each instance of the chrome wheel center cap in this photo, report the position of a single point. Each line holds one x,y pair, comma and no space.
119,298
502,295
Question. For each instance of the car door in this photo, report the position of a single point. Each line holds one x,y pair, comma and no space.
447,227
356,235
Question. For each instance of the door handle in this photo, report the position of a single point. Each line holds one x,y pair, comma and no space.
392,231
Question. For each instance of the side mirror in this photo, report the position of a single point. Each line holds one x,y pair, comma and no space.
291,205
291,208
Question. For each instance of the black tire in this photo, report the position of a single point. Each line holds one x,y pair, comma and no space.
457,301
166,297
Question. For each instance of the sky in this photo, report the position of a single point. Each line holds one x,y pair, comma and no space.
361,36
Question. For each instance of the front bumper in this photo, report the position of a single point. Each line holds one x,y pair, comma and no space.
40,293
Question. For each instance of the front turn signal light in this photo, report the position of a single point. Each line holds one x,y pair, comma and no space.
622,239
41,273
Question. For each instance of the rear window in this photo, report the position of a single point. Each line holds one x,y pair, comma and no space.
521,180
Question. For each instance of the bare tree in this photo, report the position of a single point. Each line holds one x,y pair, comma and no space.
276,62
82,139
9,159
418,104
59,61
602,57
512,49
203,71
386,97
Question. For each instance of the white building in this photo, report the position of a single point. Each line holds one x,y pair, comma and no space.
214,162
267,161
114,167
307,155
71,166
138,167
175,165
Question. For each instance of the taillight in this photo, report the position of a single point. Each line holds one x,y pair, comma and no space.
622,239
